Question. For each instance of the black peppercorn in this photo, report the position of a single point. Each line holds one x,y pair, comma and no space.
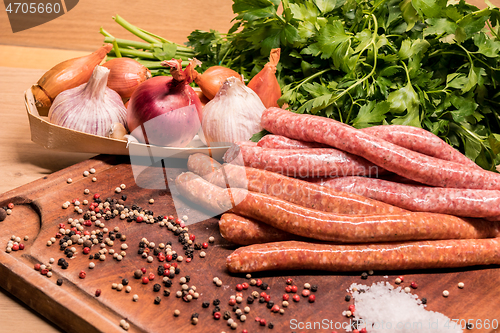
262,300
216,302
112,237
161,270
118,235
227,315
91,256
205,305
70,255
174,256
61,261
124,197
177,270
138,274
156,287
250,300
270,325
197,246
347,298
270,304
166,292
194,315
59,282
157,300
168,283
235,307
171,275
142,244
65,265
216,309
188,278
140,251
96,256
177,232
156,251
364,275
314,288
124,282
264,286
424,300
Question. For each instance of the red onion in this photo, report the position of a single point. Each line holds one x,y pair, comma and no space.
164,110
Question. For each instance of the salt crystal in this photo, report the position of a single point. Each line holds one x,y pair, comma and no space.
383,308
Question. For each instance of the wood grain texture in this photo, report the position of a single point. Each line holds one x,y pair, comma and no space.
38,212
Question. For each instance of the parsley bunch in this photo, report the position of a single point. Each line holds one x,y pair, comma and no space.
422,63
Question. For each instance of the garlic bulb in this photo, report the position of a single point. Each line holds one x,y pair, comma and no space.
91,107
232,115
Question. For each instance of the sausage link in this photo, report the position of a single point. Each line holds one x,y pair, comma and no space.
454,201
402,161
202,164
332,227
294,255
294,190
282,142
302,163
242,231
419,140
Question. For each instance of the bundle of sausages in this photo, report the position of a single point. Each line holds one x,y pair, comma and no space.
282,218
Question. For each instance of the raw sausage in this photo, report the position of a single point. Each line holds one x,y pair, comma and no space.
290,189
293,255
454,201
402,161
242,231
302,163
282,142
331,227
419,140
204,164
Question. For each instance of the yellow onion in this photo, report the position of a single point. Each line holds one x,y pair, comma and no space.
125,75
212,79
265,83
66,75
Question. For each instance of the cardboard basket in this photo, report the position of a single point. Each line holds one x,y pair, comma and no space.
53,136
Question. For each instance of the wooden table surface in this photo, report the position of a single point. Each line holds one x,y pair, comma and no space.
26,55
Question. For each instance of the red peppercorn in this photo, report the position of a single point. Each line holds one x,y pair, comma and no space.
169,257
258,283
267,298
288,289
96,210
204,245
257,319
82,275
62,226
275,308
182,225
37,267
286,297
78,232
166,266
86,233
232,301
97,292
86,250
58,235
192,237
87,223
312,298
263,322
151,276
15,247
244,331
402,278
363,330
143,270
217,315
352,308
239,287
296,298
239,294
294,289
44,271
263,294
355,331
97,196
306,292
413,285
188,260
10,205
289,281
21,246
178,221
161,257
145,280
174,264
74,200
245,285
170,217
139,219
74,229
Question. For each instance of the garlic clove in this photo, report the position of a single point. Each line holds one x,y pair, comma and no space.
118,131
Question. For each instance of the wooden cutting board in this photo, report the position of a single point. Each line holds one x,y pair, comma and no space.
73,306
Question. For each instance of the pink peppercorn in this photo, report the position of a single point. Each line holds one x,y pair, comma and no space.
263,294
143,270
288,289
363,330
37,267
87,223
188,260
170,217
151,276
15,247
245,285
10,205
21,246
352,308
82,275
239,294
262,322
169,257
44,271
217,315
289,281
97,196
166,266
239,287
178,221
145,280
232,301
275,308
139,219
97,292
86,250
62,226
267,298
192,237
294,289
161,257
413,285
244,331
258,283
296,298
174,264
286,297
355,331
58,235
401,278
257,319
204,245
306,292
312,298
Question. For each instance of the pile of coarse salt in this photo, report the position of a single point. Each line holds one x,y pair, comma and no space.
383,308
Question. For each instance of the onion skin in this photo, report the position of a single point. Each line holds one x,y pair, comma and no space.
164,111
265,84
125,75
212,79
66,75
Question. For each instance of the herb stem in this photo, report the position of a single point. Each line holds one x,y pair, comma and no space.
133,29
